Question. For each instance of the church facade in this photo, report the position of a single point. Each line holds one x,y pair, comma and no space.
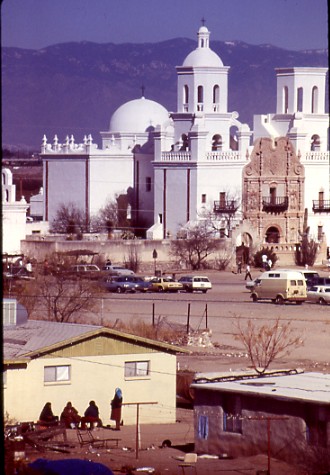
201,163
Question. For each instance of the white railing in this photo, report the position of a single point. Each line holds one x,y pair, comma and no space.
315,156
180,156
223,156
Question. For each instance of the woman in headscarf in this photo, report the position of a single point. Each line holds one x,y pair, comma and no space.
116,404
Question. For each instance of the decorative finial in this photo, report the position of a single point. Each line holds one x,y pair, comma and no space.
143,89
203,21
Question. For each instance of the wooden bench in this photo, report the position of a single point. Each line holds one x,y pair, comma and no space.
85,437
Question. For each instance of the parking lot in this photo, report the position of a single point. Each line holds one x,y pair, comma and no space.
219,309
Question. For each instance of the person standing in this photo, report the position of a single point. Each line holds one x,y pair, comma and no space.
116,405
248,272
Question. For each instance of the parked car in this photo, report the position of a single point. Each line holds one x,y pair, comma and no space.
250,285
165,284
118,270
18,273
322,281
119,284
319,294
192,283
87,271
141,284
311,277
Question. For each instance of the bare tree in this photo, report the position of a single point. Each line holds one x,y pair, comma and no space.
265,343
69,219
197,245
60,298
221,214
133,261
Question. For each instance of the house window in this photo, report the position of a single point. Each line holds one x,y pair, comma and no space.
203,198
232,415
137,369
54,374
148,183
203,427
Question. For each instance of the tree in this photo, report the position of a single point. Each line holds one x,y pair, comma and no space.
222,214
264,251
307,250
69,219
59,297
265,343
197,245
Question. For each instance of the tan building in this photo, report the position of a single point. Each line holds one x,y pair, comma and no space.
273,193
59,362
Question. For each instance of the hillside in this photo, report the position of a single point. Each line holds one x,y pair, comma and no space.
74,88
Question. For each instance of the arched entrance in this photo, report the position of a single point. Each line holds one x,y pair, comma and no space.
273,234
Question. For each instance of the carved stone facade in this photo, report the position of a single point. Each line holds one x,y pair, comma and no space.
273,191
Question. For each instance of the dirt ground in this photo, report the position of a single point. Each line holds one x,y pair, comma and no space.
140,451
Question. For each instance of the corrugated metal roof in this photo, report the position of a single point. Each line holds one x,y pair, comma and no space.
36,336
313,387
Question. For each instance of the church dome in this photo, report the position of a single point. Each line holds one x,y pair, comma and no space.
138,116
203,56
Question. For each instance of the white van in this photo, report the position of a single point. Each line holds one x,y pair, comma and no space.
279,286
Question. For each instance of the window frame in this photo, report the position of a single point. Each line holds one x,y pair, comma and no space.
135,370
58,378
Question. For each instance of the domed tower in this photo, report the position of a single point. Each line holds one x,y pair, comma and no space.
202,79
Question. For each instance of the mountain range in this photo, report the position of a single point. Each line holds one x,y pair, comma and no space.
74,88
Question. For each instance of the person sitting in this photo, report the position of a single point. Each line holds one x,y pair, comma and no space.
47,417
91,416
70,417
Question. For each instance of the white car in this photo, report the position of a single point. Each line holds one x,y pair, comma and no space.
118,270
193,283
319,294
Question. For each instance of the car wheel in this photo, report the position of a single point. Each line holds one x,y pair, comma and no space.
160,289
322,301
119,290
254,298
204,291
298,302
279,300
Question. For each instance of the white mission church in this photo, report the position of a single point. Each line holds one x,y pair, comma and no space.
176,167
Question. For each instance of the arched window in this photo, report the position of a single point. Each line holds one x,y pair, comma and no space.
315,145
217,142
216,98
273,234
285,100
299,99
233,138
315,94
185,94
200,98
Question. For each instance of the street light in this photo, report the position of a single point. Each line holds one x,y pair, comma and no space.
154,256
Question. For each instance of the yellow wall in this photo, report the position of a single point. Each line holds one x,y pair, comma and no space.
94,377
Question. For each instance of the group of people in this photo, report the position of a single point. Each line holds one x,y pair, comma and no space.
70,417
247,270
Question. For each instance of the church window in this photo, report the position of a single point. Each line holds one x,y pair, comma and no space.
319,233
217,142
321,199
203,198
315,145
185,97
299,99
148,183
285,100
222,199
272,194
216,98
160,218
315,93
272,235
200,98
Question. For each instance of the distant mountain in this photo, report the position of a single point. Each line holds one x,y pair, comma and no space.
74,88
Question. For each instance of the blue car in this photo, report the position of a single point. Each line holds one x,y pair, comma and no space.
119,284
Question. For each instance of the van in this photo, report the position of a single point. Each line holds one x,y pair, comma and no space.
279,286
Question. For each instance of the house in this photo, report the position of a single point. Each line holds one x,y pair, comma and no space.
245,413
60,362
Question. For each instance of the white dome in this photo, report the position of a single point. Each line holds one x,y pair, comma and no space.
203,57
138,116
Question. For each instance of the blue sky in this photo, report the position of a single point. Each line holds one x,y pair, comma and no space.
289,24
